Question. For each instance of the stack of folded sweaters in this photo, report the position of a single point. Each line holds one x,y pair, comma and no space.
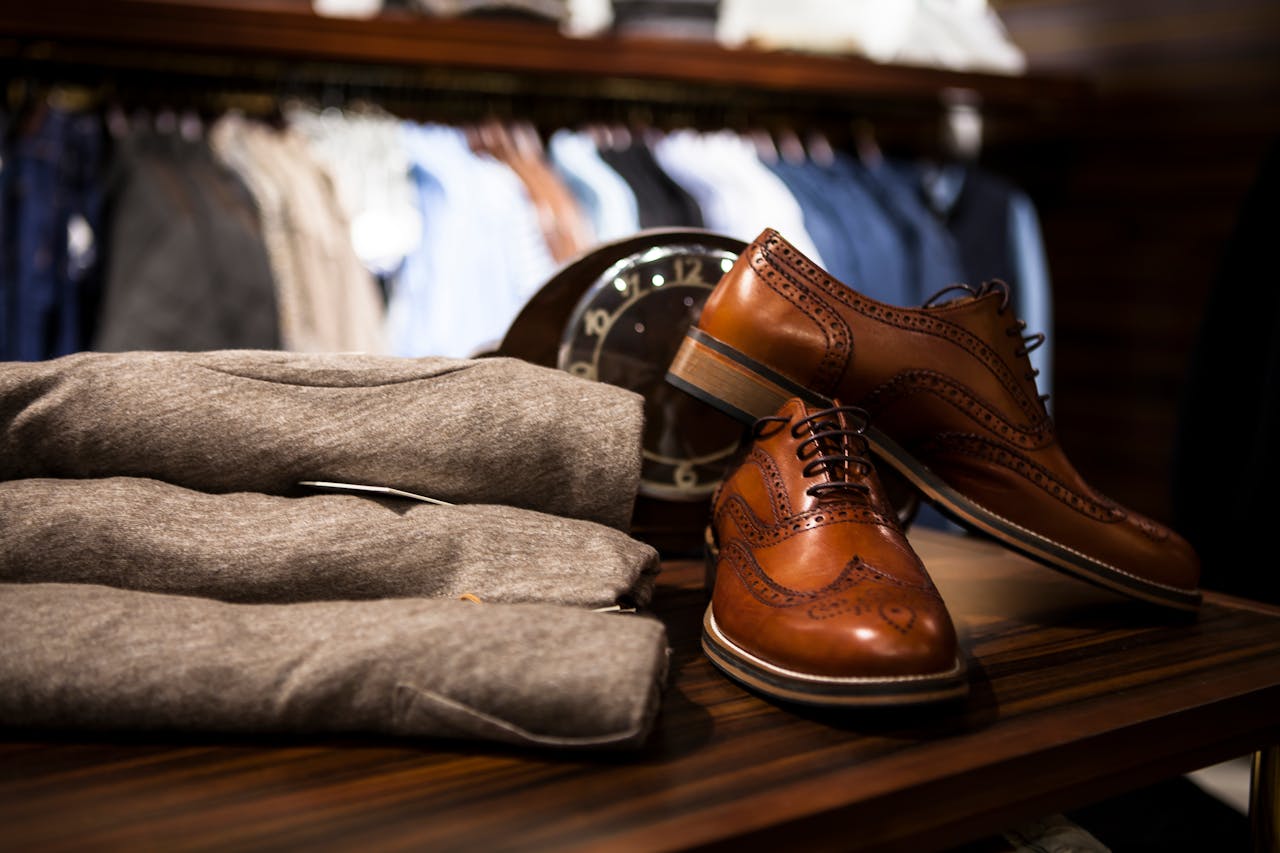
162,565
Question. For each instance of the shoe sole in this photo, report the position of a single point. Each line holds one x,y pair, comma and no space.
826,691
742,387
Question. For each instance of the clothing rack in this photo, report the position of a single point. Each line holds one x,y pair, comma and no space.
450,97
456,70
208,57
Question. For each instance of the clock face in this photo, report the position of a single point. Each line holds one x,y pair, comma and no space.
625,330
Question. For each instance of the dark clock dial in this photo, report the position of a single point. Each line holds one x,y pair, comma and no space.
625,330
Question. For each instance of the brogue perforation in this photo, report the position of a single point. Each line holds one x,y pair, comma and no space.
915,322
1094,506
761,535
881,398
839,340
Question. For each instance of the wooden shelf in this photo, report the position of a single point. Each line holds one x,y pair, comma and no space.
290,32
1076,695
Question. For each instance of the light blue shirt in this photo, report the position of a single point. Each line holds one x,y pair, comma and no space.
737,194
482,254
604,195
1035,290
1026,242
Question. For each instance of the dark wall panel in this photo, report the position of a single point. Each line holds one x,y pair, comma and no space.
1137,205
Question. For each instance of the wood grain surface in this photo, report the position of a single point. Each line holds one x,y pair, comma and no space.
1077,695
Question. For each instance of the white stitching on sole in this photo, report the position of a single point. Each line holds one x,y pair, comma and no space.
978,509
955,671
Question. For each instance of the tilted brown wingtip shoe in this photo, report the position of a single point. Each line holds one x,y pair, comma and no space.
953,397
818,597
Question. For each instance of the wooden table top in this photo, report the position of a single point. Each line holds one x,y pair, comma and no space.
1077,695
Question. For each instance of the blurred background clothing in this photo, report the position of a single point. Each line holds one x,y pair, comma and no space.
355,230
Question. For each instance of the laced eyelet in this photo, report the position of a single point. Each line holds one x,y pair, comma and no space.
834,447
758,428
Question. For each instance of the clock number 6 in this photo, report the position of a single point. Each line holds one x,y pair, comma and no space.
685,477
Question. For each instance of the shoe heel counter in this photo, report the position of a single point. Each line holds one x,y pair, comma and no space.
753,346
732,298
750,312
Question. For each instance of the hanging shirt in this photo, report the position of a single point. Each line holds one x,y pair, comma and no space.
997,233
565,228
822,219
606,198
873,240
7,259
328,301
738,195
186,267
932,260
363,153
482,253
663,203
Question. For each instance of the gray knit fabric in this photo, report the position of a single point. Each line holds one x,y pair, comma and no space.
143,534
498,431
92,656
138,475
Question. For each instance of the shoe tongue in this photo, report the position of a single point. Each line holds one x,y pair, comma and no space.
977,314
981,315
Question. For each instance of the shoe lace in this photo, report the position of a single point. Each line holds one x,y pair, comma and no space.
835,447
1029,342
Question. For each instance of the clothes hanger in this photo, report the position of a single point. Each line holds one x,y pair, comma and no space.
116,120
526,141
819,148
650,135
598,134
790,147
492,138
191,126
620,136
961,131
865,144
764,144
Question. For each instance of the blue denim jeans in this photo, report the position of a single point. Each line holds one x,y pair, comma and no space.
51,180
7,255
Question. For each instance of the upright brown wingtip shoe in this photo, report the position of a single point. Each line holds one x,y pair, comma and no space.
818,597
952,395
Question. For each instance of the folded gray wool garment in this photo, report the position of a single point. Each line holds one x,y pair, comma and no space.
89,656
493,430
143,534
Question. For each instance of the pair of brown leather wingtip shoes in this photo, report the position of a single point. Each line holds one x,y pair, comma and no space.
818,597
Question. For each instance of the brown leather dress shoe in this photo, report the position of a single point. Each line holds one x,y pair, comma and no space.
818,597
953,398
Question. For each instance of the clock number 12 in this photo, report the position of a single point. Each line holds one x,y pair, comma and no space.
688,271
